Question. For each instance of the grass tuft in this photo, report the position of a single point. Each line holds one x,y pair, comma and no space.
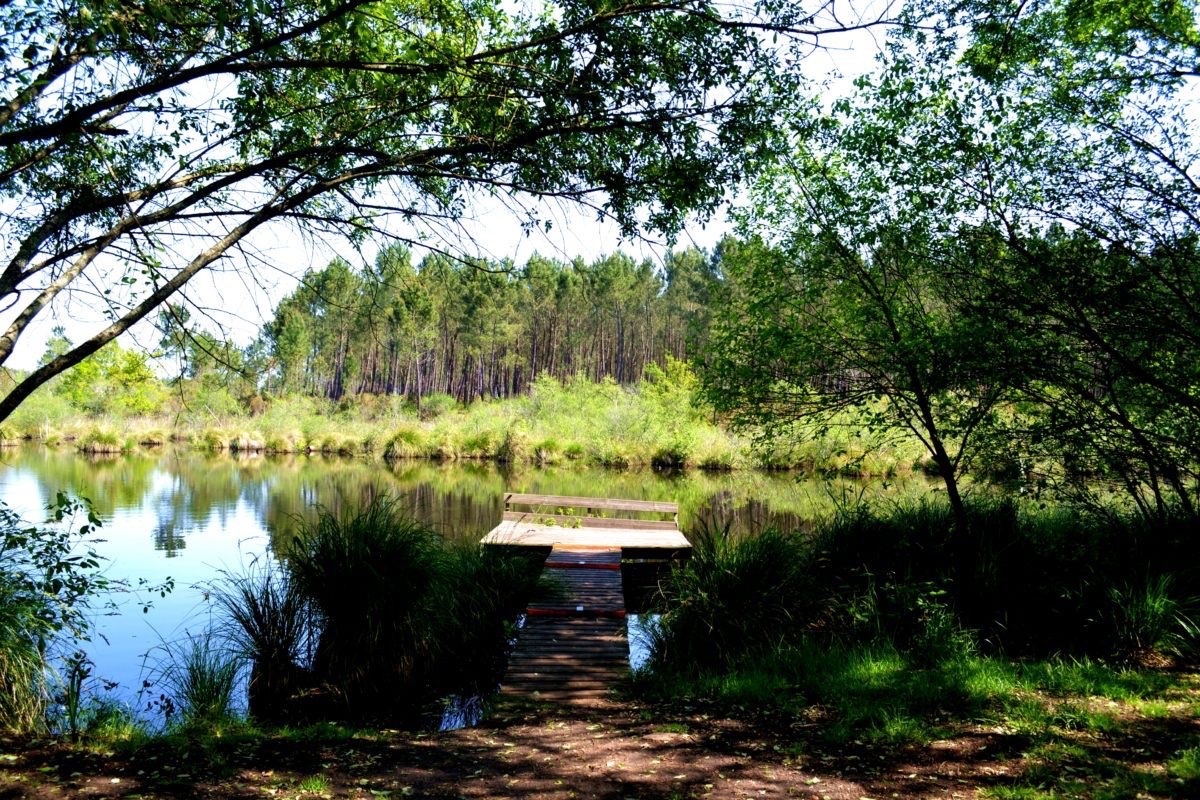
201,678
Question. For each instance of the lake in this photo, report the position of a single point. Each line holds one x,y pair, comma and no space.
190,515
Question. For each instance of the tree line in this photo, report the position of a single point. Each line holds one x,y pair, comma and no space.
475,330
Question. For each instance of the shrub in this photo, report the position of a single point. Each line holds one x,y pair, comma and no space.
436,405
515,448
478,445
211,439
485,593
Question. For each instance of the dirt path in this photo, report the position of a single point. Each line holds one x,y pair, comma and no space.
614,750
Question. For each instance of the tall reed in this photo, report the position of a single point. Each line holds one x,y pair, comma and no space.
375,611
374,579
266,620
24,684
201,678
735,595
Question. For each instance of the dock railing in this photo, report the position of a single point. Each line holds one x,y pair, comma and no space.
590,512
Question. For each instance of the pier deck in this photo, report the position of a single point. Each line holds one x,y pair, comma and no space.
573,647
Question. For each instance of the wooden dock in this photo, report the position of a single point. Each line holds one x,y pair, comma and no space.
573,647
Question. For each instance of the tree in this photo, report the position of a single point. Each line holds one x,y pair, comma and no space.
144,143
113,380
821,331
1003,214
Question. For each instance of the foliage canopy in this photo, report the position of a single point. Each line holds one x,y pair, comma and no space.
143,143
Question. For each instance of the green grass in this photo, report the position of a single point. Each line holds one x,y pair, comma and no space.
1087,677
1060,766
314,784
1186,765
655,422
102,440
201,676
876,693
870,693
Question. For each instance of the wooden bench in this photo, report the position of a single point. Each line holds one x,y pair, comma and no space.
540,520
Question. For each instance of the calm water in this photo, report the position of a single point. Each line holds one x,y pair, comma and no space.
189,515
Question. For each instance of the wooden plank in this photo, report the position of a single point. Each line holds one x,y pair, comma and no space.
511,532
569,521
535,661
567,673
607,503
567,657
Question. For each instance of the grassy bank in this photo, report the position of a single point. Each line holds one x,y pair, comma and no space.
1066,643
990,729
1025,579
895,593
858,657
656,423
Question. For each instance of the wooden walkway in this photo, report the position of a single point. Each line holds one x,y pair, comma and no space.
573,647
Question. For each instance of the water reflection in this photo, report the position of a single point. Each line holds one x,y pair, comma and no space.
640,630
167,539
189,515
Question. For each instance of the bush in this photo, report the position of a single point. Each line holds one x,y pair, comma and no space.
436,405
49,578
399,616
485,593
515,448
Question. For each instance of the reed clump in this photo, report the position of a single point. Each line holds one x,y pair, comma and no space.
24,675
201,678
372,615
101,441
